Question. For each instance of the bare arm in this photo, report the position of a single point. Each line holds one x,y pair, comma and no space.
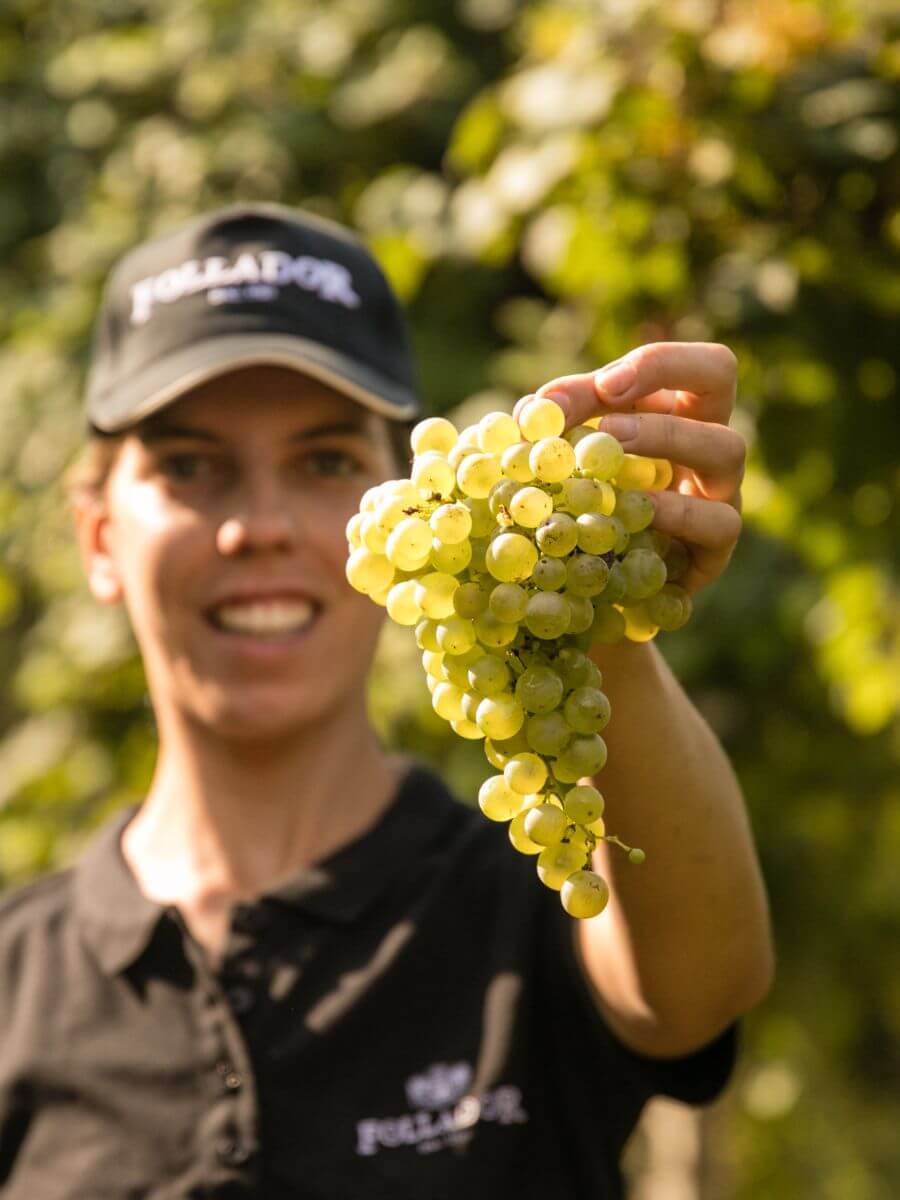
684,946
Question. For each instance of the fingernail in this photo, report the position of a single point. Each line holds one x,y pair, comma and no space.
622,426
615,381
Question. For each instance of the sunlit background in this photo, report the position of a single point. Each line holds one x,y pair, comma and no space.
547,184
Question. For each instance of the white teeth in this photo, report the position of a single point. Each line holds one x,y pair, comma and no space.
268,617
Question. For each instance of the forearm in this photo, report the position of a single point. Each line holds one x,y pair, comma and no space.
685,942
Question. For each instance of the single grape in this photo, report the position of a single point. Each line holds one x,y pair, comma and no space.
497,800
501,496
557,535
636,472
581,613
667,609
455,635
426,634
587,710
470,599
515,464
541,418
456,666
645,573
477,474
373,536
520,839
433,475
599,455
586,574
369,573
402,605
434,433
552,459
500,716
574,668
466,729
371,498
584,894
451,560
547,615
664,474
434,594
579,496
548,574
517,744
596,533
574,435
584,755
409,545
451,523
548,733
477,565
482,517
489,675
678,560
508,602
638,626
352,530
635,510
525,773
583,804
637,856
616,586
529,506
609,625
493,633
539,690
460,451
497,431
510,557
433,662
557,863
446,700
545,824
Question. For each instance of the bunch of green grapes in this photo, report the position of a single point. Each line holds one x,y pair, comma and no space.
513,547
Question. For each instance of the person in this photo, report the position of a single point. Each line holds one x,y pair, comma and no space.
300,967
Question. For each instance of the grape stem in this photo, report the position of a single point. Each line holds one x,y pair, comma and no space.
611,837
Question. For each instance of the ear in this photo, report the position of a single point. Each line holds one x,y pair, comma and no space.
94,532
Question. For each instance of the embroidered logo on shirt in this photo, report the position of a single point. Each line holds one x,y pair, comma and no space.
252,276
446,1114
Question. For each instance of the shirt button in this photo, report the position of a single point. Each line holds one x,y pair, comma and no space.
231,1152
240,999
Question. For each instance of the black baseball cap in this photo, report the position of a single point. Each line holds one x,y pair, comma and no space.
248,284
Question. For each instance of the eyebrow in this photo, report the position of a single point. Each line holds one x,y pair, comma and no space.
157,433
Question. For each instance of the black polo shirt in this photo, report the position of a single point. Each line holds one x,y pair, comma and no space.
406,1019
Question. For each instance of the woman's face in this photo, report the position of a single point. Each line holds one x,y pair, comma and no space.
245,484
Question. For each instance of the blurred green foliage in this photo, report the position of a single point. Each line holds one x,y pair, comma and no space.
548,183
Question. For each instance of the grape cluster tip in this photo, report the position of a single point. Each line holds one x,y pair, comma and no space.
512,549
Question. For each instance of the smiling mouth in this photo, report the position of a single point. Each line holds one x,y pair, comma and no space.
265,622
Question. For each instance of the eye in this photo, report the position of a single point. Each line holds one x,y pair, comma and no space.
333,462
182,467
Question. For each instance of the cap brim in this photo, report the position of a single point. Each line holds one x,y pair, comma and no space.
157,386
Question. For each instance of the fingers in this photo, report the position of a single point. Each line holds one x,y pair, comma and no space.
695,379
715,452
710,528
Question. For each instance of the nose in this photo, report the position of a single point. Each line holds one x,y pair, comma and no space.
265,519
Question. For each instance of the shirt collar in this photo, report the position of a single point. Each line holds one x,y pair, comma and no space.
115,916
348,882
118,920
